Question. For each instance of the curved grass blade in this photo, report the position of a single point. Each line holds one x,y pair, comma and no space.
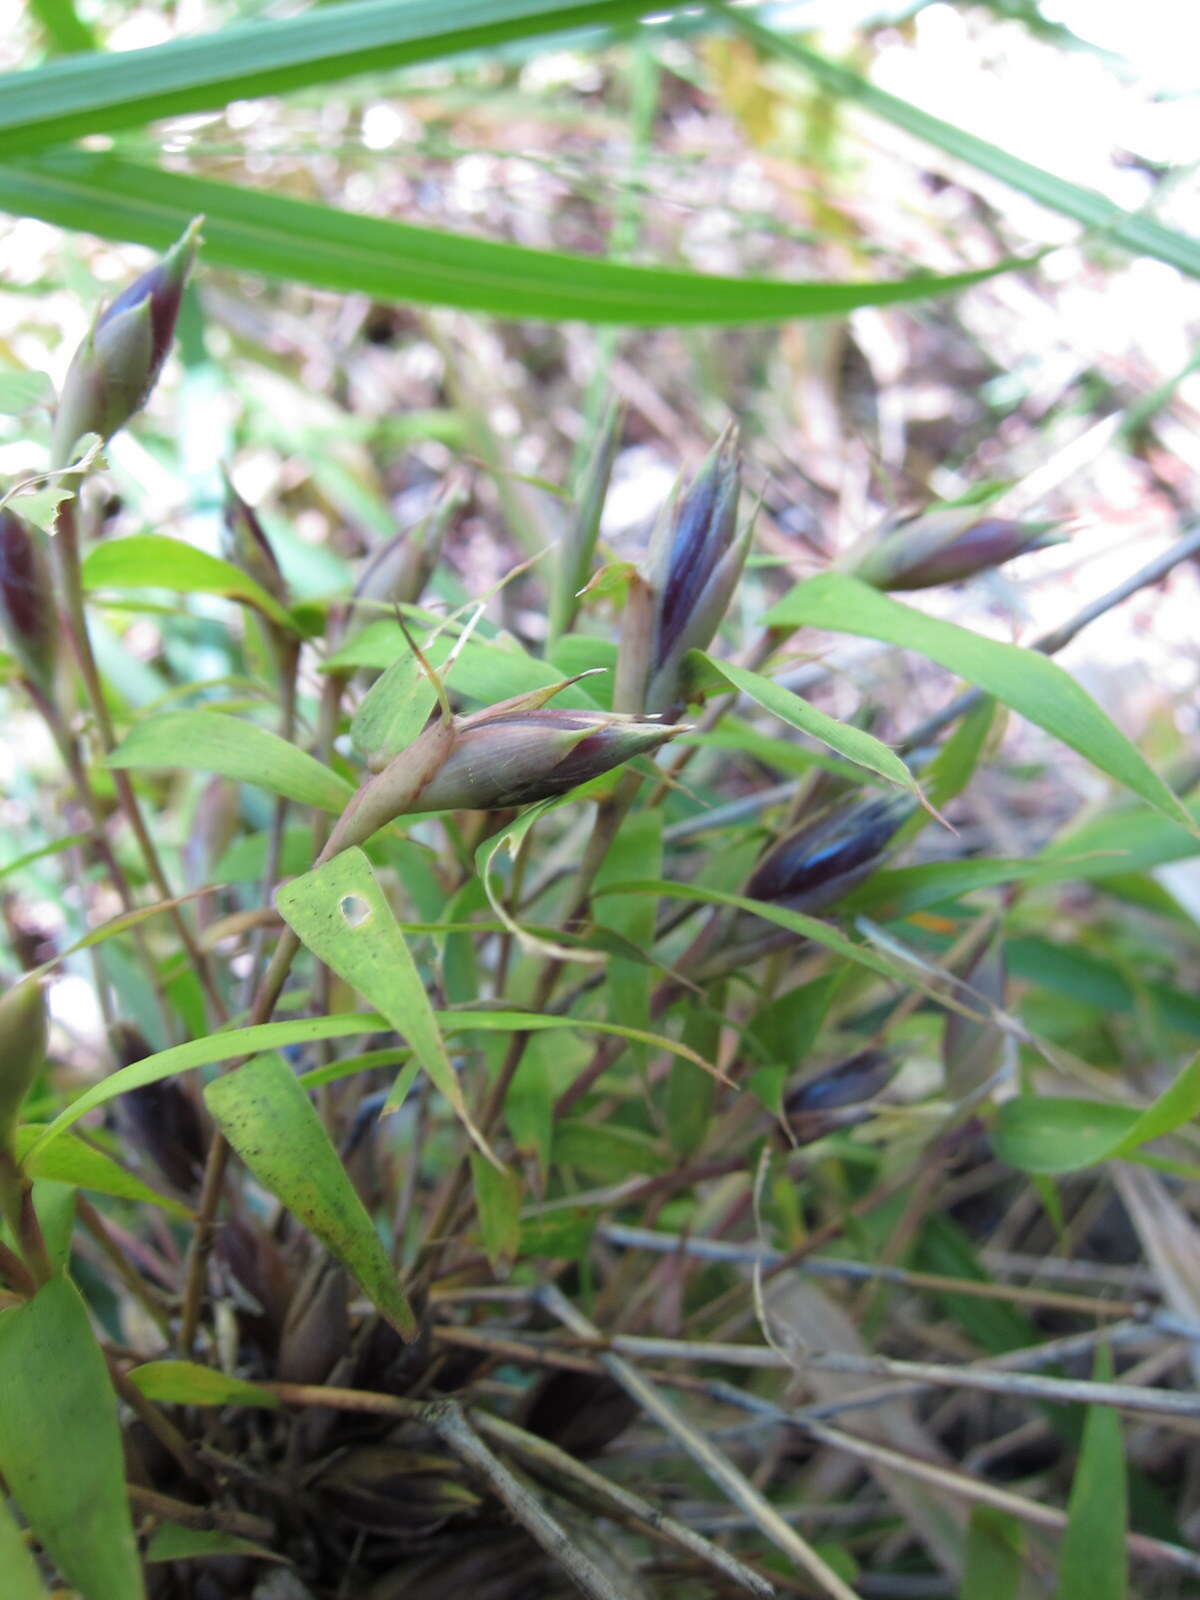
1029,683
1142,235
862,748
301,242
67,99
236,1042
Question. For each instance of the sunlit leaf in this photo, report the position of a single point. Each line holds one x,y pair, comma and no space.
150,561
207,741
1028,682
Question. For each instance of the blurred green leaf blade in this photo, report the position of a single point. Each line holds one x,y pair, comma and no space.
250,230
60,1443
1092,1563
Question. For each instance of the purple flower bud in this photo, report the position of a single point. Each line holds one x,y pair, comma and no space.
821,861
947,544
27,600
247,546
694,563
519,757
833,1099
118,363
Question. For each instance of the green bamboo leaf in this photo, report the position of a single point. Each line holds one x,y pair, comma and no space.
186,1383
342,915
71,1161
1028,682
794,921
1048,1134
268,1119
16,1563
207,741
608,1151
150,561
1092,1562
993,1563
1140,234
66,33
498,1207
67,99
852,743
301,242
55,847
60,1443
173,1542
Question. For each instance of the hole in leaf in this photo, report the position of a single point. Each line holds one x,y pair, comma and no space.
354,909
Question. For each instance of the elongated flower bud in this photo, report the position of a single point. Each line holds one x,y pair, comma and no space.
27,600
520,757
695,560
120,359
833,1099
246,544
947,544
577,547
511,754
821,861
22,1051
399,569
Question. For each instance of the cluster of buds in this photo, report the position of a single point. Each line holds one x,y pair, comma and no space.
695,560
945,545
119,361
27,601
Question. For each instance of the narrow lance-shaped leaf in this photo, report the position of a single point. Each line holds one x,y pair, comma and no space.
1051,1134
237,1042
856,745
208,741
268,1119
150,561
341,914
16,1563
186,1383
1028,682
65,99
1092,1563
254,231
60,1443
